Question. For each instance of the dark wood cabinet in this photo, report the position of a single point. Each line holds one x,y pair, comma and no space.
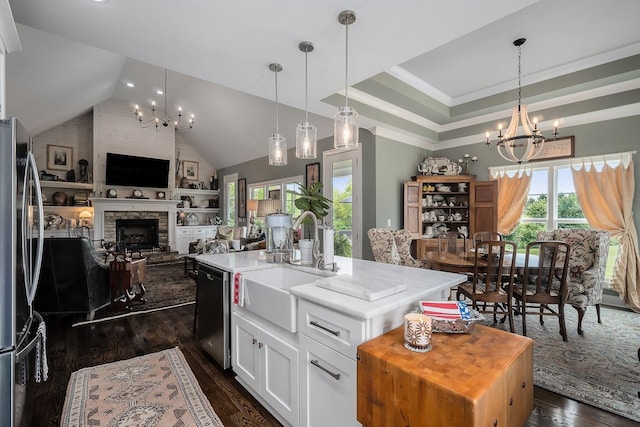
434,203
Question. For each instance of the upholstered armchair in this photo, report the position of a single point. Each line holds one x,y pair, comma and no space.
403,245
393,247
73,278
587,262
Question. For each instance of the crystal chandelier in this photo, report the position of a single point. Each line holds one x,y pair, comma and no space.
345,125
514,147
306,133
165,120
277,142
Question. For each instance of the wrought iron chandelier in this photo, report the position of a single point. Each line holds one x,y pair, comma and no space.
164,121
511,145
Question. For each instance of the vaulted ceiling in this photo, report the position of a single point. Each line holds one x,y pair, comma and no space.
434,74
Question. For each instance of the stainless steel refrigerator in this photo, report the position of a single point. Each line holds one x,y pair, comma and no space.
21,239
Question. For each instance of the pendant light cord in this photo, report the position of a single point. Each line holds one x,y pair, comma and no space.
346,67
277,115
519,81
306,114
165,95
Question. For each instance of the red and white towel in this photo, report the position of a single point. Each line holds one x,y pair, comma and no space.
238,289
445,310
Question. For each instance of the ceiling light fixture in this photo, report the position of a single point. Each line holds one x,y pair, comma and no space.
306,133
277,142
164,121
345,125
514,147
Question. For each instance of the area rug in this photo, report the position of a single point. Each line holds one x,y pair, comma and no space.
157,389
166,286
599,368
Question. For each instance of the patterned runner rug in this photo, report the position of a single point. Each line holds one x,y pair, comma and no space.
599,368
156,389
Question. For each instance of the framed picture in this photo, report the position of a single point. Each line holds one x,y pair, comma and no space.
59,158
190,170
313,174
242,198
560,148
274,194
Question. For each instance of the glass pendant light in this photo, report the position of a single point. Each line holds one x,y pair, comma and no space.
345,125
277,142
306,133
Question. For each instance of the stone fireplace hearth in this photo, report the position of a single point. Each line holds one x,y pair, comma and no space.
146,230
107,211
137,234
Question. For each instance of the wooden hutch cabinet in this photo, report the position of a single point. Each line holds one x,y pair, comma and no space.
434,203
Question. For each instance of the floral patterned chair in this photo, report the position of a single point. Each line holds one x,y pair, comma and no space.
587,262
384,246
393,247
403,243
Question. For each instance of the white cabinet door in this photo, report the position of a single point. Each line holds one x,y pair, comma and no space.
327,386
280,374
183,237
245,350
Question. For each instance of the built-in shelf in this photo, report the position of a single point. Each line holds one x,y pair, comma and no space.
66,209
201,210
190,192
64,184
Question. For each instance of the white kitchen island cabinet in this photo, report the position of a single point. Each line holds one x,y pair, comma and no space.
267,364
308,377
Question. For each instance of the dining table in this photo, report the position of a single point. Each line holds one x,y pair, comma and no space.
463,261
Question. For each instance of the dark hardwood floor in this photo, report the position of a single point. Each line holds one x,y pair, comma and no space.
70,349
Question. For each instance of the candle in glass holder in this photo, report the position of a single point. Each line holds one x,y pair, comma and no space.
417,332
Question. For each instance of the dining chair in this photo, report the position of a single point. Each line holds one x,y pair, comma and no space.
587,265
483,236
452,241
544,283
492,280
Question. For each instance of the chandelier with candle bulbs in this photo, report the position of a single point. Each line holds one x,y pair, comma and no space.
526,145
164,121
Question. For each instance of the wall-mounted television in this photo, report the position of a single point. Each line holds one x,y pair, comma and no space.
134,171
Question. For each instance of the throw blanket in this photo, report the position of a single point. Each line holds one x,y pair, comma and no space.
157,389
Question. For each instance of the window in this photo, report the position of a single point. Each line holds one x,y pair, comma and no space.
552,203
285,189
230,185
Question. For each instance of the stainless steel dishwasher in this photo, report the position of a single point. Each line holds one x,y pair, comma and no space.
213,321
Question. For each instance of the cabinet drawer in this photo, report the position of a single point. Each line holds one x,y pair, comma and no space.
199,233
183,232
336,330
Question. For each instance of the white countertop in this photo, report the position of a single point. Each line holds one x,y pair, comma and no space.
419,282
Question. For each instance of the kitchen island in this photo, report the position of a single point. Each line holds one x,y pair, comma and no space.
304,371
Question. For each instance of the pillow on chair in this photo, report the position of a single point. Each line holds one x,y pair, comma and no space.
224,234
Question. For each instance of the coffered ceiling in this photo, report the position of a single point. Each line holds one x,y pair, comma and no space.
435,74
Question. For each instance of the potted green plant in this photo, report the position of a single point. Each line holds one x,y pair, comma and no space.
312,199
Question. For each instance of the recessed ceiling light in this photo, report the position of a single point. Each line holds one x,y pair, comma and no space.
159,92
99,1
129,84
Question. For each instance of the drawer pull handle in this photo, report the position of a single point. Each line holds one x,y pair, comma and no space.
333,374
324,328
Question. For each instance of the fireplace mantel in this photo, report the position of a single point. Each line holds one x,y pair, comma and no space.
102,205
